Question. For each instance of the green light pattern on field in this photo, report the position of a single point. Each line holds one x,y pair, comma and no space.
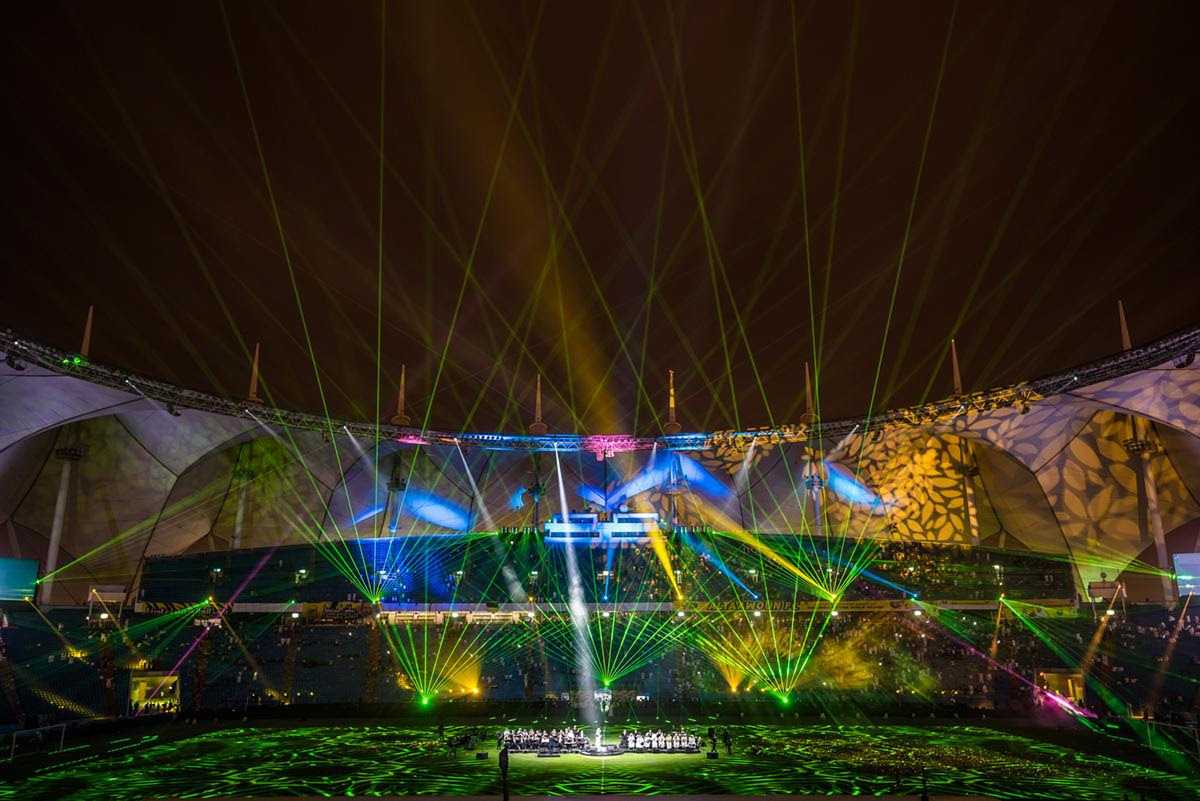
394,760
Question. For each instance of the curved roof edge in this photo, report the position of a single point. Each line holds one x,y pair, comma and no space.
1180,347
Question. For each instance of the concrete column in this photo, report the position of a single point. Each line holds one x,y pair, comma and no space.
69,456
1154,519
239,518
970,512
13,543
814,482
965,462
242,477
1142,446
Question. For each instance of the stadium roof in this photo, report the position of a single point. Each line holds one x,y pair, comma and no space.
1056,464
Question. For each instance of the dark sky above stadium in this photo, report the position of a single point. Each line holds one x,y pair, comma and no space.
600,192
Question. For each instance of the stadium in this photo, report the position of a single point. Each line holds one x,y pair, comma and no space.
567,539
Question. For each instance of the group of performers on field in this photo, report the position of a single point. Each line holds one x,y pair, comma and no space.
571,739
551,740
660,741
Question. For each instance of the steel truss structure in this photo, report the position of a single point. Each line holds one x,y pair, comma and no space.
1179,348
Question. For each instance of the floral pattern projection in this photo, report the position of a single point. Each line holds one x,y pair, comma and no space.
1093,487
1168,394
1077,478
1074,447
1010,445
1093,484
918,476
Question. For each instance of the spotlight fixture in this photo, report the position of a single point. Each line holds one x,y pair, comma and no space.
1185,361
10,359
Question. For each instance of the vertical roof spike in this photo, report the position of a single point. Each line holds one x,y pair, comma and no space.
672,425
809,414
538,426
958,387
252,392
86,345
400,418
400,397
671,396
1126,342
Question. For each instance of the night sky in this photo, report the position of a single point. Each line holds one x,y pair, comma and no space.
600,192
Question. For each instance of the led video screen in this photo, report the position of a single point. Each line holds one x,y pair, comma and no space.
18,578
1187,573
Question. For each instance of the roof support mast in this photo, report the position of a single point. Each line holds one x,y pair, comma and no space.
966,465
1143,448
